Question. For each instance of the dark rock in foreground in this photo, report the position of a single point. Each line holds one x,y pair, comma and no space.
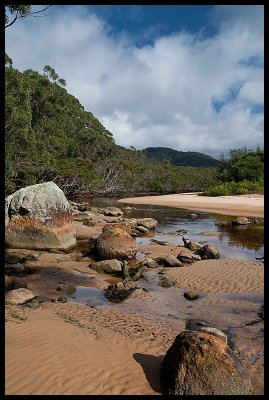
200,363
39,217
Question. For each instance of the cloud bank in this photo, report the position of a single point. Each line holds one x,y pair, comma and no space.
184,91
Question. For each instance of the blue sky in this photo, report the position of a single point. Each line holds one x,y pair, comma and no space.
184,77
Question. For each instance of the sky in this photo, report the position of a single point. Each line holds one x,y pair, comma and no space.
190,78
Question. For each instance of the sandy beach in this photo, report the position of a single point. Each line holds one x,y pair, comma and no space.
70,348
242,205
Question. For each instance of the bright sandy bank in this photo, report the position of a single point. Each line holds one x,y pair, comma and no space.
243,205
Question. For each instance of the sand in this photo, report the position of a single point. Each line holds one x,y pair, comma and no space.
70,348
243,205
117,349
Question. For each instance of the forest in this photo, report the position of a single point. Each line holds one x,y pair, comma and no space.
50,136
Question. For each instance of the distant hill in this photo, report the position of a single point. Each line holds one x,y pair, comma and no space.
182,158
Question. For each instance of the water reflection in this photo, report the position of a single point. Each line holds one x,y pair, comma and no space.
246,242
246,237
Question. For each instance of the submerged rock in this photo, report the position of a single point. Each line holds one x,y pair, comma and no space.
241,221
119,291
191,295
165,282
39,217
201,363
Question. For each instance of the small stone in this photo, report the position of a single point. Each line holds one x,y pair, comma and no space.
165,282
191,295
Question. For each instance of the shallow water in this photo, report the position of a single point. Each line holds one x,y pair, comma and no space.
227,312
242,242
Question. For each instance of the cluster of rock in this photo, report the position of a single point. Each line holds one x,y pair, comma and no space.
199,362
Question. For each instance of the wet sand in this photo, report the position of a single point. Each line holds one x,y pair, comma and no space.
70,348
243,205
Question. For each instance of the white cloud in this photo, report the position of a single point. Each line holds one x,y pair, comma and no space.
158,95
252,92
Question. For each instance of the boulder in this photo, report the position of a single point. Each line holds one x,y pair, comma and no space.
241,221
20,296
149,223
200,363
209,251
113,211
107,266
116,242
39,217
172,261
186,256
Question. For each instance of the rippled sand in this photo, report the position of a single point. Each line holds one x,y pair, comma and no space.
79,349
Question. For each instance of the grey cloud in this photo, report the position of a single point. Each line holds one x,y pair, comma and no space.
158,95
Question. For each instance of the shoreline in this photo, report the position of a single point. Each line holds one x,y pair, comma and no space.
240,205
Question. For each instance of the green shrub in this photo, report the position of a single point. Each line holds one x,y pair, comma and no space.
235,188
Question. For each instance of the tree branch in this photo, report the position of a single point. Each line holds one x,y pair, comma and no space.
31,14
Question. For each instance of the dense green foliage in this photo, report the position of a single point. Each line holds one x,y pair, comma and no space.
242,164
49,136
182,158
234,188
242,172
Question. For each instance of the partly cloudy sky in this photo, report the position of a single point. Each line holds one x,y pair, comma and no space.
186,77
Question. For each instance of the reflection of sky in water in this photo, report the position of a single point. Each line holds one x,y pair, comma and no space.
233,242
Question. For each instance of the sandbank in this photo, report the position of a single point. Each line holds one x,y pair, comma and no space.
251,205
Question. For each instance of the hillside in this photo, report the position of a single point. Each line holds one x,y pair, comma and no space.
182,158
49,136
